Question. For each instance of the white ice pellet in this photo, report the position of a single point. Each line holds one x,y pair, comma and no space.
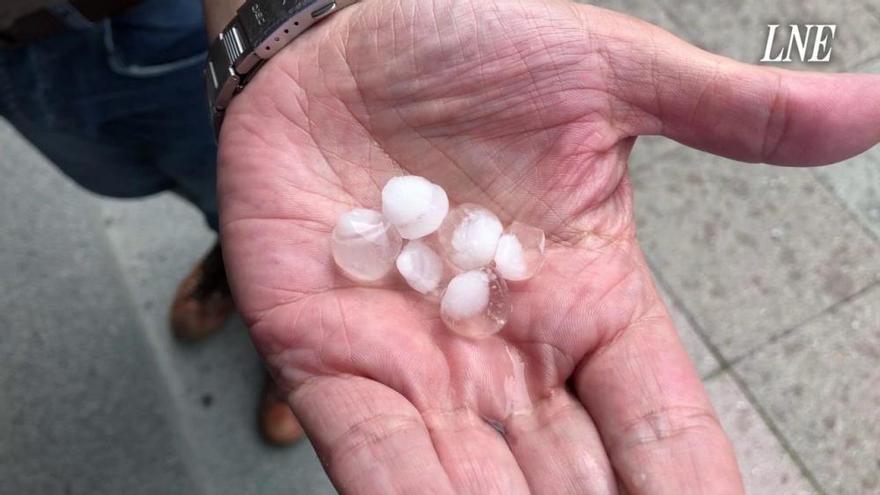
364,245
420,266
469,236
520,252
475,303
415,206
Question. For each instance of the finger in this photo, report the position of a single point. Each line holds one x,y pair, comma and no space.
741,111
369,438
474,454
659,428
558,448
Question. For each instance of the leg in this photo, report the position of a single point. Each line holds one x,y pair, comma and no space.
120,108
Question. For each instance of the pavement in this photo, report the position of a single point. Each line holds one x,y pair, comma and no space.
772,274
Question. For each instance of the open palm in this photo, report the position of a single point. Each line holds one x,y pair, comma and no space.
529,108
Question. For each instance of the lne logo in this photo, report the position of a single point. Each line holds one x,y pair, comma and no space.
813,44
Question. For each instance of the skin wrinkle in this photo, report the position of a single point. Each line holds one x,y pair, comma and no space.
479,45
538,404
572,308
605,294
574,127
597,199
304,108
307,130
554,63
559,371
612,337
649,46
540,425
668,422
361,436
327,160
616,76
533,99
693,120
474,184
433,421
778,113
544,201
407,388
255,320
655,87
364,126
304,223
345,331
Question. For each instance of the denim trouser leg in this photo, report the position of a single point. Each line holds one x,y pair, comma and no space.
119,106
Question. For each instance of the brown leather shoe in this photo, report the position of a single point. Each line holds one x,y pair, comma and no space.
277,423
203,301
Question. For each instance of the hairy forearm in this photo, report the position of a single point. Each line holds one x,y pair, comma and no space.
218,13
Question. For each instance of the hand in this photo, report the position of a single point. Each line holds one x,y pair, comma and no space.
530,108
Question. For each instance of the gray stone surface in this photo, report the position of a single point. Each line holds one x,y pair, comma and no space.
216,384
649,11
84,407
857,185
98,397
752,249
702,358
820,386
766,467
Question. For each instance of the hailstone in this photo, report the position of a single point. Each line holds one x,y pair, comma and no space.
475,303
415,206
421,267
364,245
520,252
469,236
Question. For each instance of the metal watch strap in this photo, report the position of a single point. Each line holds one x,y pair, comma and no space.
257,32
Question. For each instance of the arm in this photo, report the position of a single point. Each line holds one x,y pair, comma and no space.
529,107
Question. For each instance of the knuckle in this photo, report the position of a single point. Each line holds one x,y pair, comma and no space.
668,423
372,435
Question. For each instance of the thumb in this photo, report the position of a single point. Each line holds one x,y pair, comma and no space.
737,110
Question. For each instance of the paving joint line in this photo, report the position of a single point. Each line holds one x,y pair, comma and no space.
713,349
831,308
726,367
849,211
776,431
162,362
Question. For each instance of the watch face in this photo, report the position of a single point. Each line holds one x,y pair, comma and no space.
267,11
260,18
292,6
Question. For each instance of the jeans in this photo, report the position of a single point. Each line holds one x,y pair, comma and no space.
119,105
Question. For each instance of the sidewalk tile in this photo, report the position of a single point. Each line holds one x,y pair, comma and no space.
820,387
84,407
649,149
703,360
766,467
857,183
751,249
216,383
649,11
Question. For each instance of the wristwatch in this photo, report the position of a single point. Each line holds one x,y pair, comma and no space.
258,31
